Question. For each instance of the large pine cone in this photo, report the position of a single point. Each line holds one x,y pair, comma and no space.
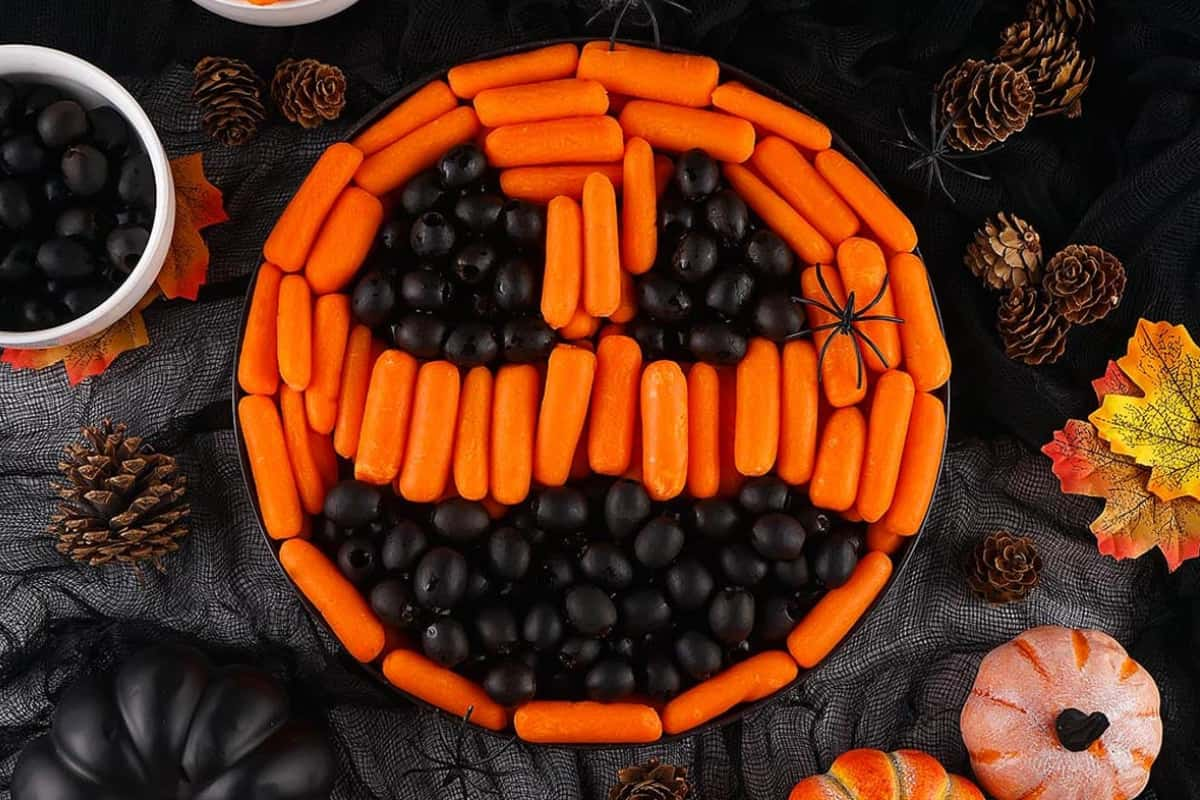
1070,16
1006,252
308,92
984,102
1032,330
1004,567
121,502
1084,282
229,94
650,781
1057,70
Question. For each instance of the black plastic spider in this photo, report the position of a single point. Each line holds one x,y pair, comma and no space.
845,323
938,153
625,6
458,767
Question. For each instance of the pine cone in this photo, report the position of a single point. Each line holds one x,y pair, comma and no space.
1006,252
650,781
308,92
1032,330
1057,70
1084,282
229,93
121,502
1004,567
1070,16
984,102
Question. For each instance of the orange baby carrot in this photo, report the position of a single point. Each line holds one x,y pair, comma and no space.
627,308
919,466
664,169
384,430
562,280
731,479
744,682
835,476
614,405
431,433
881,539
308,478
586,722
581,326
799,183
735,98
851,515
543,64
331,326
682,79
356,375
756,429
835,614
533,102
335,598
473,435
514,425
780,217
926,356
704,435
294,333
421,107
863,269
580,468
639,208
800,399
321,445
873,206
601,247
664,430
543,184
678,129
290,240
394,165
258,365
886,431
266,449
344,241
840,376
444,688
569,377
556,141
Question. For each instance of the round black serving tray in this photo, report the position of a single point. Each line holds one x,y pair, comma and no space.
900,559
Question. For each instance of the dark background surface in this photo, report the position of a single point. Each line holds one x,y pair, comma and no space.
1126,176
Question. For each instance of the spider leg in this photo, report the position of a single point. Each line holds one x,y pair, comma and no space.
858,361
653,23
612,40
880,318
678,6
976,175
874,348
837,310
833,312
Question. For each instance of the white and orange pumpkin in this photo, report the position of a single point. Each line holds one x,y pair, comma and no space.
876,775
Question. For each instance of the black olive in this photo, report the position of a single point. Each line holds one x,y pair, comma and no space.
497,629
9,103
508,554
353,504
644,611
478,585
55,194
472,344
543,627
590,611
653,339
815,521
663,299
460,519
403,544
461,166
626,507
741,565
695,257
38,97
833,559
110,131
623,646
792,574
358,559
526,339
716,343
422,192
19,262
65,259
36,315
560,509
479,212
440,579
132,215
661,678
658,543
610,679
16,212
604,564
445,642
136,182
392,602
768,255
715,518
510,683
730,292
420,335
85,169
731,616
524,223
431,235
23,154
697,174
425,290
61,123
764,493
474,263
518,285
81,299
777,316
778,537
776,619
578,652
676,215
393,234
689,584
373,299
726,215
698,655
125,245
557,572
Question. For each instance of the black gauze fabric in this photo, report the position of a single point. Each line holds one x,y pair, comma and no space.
1126,176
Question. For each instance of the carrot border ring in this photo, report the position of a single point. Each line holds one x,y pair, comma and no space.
900,560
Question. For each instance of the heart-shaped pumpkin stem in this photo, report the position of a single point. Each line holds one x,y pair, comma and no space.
1077,730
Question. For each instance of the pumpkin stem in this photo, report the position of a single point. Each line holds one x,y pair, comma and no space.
1077,730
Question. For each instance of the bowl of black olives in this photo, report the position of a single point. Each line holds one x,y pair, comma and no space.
87,202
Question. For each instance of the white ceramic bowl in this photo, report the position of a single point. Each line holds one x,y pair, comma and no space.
93,87
276,15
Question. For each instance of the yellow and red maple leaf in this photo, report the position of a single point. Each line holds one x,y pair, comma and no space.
198,204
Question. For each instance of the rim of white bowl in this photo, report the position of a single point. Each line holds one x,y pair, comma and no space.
280,6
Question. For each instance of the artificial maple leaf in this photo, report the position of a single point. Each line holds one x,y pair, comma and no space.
1114,381
198,204
1134,519
1161,430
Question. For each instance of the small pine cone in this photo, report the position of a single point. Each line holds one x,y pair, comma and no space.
1057,69
1003,567
650,781
1070,16
229,94
984,102
1032,330
308,92
1006,252
1084,282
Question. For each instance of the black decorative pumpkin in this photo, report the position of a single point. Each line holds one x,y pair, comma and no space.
170,726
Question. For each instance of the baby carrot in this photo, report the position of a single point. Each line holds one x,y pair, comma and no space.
543,64
556,141
586,722
473,435
543,184
580,468
294,333
614,405
799,183
514,424
422,106
735,98
682,79
838,360
344,241
290,240
881,539
639,208
321,445
731,479
873,206
926,356
356,375
444,688
266,450
678,129
533,102
836,612
746,681
664,168
384,430
863,269
780,217
331,326
569,377
258,365
704,422
563,276
664,430
800,399
308,478
835,476
601,247
581,326
431,433
627,308
919,466
394,165
886,431
335,598
756,428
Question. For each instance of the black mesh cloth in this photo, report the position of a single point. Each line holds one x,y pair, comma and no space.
1126,176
